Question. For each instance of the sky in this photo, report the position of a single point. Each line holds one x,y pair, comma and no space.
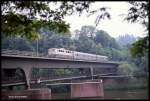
115,26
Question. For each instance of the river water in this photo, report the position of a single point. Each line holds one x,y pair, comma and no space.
112,94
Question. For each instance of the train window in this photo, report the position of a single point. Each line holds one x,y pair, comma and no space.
61,51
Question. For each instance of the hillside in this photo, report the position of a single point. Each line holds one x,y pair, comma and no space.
125,39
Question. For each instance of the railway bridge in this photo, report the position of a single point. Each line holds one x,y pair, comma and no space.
27,63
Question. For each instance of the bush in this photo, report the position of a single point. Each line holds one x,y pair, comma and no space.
126,69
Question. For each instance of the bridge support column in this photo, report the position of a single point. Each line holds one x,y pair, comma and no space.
91,69
27,72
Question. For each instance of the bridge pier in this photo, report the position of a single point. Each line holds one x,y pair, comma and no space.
27,72
91,70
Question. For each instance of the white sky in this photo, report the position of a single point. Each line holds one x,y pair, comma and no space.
115,26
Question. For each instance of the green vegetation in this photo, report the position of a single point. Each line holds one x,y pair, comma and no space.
126,68
24,18
128,84
140,48
98,43
20,18
139,13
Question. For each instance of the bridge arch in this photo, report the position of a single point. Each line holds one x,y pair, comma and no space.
13,75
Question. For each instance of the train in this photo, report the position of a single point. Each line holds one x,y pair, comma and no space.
75,55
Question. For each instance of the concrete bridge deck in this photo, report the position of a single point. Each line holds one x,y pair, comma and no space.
27,63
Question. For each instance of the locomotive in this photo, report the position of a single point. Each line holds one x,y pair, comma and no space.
68,54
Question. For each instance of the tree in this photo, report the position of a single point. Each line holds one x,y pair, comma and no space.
49,40
139,12
102,37
85,44
16,43
24,18
126,69
87,31
105,40
20,18
53,40
142,64
113,44
126,39
140,47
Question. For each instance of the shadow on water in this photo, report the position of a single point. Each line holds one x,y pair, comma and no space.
133,88
111,94
127,94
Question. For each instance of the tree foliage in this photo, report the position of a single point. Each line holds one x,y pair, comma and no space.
82,43
104,38
140,47
126,69
139,12
24,18
20,18
85,44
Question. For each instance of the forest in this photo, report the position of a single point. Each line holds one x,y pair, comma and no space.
89,40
